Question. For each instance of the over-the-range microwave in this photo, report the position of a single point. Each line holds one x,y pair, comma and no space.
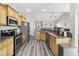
11,21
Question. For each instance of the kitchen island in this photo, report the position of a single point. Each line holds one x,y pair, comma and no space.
54,42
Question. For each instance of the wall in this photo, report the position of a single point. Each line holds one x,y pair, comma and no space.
65,21
48,24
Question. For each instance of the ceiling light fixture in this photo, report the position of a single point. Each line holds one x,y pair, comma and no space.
44,10
28,10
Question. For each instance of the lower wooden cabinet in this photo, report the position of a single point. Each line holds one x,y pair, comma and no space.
10,45
6,47
56,49
54,46
43,36
40,36
3,48
37,36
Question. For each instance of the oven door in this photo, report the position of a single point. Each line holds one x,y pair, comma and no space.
18,43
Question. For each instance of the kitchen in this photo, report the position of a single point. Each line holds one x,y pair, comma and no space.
38,29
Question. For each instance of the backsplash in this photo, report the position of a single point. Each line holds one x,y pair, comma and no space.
7,27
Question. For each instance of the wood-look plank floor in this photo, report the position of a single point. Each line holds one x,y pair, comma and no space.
35,48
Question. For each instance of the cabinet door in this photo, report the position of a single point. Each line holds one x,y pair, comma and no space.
23,19
3,48
19,21
44,36
53,45
38,36
10,46
16,15
3,15
10,12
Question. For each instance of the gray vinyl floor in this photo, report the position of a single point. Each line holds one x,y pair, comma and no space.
34,48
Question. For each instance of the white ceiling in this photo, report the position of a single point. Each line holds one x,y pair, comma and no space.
37,10
38,7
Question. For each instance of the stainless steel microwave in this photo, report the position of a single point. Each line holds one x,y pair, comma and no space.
11,21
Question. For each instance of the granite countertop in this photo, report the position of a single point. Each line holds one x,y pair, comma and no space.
53,34
66,46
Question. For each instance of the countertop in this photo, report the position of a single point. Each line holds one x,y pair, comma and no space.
66,46
2,38
54,35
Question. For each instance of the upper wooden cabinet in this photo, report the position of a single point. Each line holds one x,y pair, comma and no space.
23,19
19,21
3,14
11,12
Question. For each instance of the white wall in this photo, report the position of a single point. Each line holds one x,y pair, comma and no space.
48,24
65,21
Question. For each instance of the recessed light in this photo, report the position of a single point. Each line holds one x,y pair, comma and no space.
44,10
28,10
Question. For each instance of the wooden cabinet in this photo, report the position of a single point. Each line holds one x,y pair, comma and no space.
53,45
11,12
55,48
10,45
43,36
23,19
19,21
3,14
38,36
6,47
3,48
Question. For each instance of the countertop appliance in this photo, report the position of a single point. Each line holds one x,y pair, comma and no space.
62,32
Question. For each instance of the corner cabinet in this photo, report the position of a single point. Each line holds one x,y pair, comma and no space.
3,14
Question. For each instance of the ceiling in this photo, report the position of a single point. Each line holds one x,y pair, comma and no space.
38,7
41,11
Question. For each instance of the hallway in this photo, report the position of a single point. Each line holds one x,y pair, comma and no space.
34,48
